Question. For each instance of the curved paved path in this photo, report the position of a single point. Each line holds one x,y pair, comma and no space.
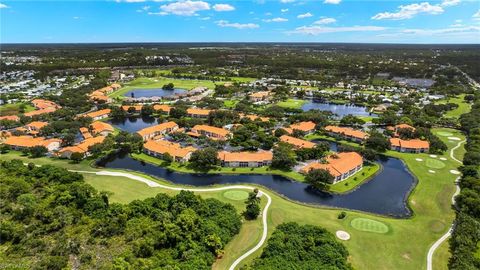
151,183
449,232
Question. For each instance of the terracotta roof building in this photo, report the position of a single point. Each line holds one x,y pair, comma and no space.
161,148
198,113
101,128
245,159
22,142
35,125
160,129
259,96
10,118
346,133
85,133
341,165
296,142
82,147
209,131
162,107
40,111
409,146
306,127
98,115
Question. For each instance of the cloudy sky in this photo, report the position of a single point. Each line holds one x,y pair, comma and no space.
380,21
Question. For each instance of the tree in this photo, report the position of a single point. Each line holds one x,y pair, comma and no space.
131,110
204,159
351,120
76,157
378,142
320,179
167,157
38,151
168,86
283,157
147,110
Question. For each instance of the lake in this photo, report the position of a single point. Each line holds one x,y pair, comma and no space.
133,124
339,109
385,194
154,92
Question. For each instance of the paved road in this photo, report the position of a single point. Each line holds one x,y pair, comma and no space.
449,232
151,183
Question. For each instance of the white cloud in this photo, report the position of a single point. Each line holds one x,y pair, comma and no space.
449,3
476,16
333,2
75,17
3,6
456,25
305,15
450,30
268,14
287,1
458,21
204,18
317,30
325,21
223,23
409,11
184,8
278,19
223,7
144,8
283,10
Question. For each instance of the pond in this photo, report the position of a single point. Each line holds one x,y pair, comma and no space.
133,124
154,92
339,109
385,194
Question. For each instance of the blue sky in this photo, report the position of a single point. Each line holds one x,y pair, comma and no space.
387,21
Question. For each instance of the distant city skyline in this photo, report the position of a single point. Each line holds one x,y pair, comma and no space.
447,21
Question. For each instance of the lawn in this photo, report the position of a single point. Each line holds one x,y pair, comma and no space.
463,107
158,82
292,103
14,108
230,104
366,173
405,246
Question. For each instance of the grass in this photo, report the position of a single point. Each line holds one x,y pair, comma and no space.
184,168
236,195
292,103
405,246
444,133
434,163
463,107
366,173
369,225
367,119
230,103
14,108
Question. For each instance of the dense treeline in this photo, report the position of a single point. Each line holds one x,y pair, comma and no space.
307,247
464,244
51,219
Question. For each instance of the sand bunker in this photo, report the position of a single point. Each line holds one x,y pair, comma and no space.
419,159
454,138
434,156
454,172
342,235
431,171
442,158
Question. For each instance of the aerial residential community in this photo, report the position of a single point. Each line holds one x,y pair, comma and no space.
240,149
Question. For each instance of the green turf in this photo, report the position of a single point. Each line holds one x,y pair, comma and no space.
14,108
236,195
444,133
292,103
369,225
434,163
463,107
366,173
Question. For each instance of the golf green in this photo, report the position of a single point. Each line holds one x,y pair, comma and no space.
369,225
444,133
434,163
236,195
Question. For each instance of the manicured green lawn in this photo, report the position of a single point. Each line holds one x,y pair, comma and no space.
463,107
230,103
405,246
14,108
292,103
366,173
236,195
369,225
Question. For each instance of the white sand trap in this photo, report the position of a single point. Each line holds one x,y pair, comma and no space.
419,159
434,156
442,158
431,171
454,172
454,138
342,235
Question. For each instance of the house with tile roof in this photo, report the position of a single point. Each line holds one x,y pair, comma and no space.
98,115
101,128
10,118
215,133
245,159
305,127
296,142
22,142
346,133
260,96
82,147
341,165
160,129
161,147
198,113
409,146
35,126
